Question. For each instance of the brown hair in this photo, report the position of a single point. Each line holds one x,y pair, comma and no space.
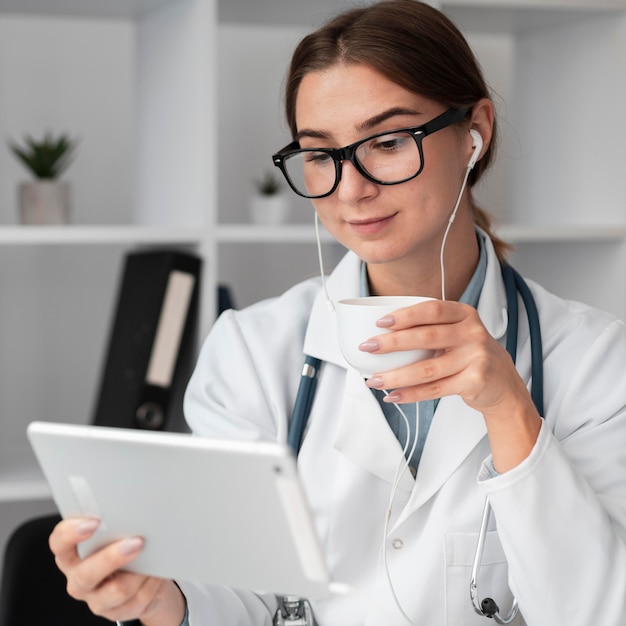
412,44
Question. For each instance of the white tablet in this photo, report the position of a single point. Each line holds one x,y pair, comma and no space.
214,511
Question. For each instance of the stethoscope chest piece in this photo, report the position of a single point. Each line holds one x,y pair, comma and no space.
487,607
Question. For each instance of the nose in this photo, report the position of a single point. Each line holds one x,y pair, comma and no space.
353,186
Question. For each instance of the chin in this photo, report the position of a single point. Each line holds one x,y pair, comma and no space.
377,255
385,249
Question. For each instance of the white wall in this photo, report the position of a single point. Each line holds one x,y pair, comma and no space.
86,70
252,62
582,121
252,65
55,318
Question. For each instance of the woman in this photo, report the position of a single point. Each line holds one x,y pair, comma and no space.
394,77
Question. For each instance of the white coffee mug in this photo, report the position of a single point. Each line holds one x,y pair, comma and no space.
356,319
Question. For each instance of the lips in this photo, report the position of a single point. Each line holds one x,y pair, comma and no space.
371,226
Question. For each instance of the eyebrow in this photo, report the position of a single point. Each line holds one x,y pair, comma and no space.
363,126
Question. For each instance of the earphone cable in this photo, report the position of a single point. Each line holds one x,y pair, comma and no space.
445,235
402,465
329,302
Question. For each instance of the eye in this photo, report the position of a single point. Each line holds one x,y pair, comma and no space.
317,158
389,143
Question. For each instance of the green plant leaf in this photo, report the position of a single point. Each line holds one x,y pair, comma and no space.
47,158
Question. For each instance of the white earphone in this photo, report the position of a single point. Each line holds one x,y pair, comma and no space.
478,146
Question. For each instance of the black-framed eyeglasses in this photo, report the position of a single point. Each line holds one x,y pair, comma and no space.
388,158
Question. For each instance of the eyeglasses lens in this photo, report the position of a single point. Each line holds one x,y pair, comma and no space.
390,158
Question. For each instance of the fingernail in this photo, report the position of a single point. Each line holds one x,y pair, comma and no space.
369,346
393,397
86,527
386,321
131,545
375,382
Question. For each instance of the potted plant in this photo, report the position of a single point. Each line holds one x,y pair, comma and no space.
269,203
46,200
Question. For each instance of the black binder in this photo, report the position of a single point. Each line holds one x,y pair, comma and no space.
151,349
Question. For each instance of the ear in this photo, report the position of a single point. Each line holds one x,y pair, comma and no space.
483,114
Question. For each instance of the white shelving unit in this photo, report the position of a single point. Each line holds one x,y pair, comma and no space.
157,89
133,80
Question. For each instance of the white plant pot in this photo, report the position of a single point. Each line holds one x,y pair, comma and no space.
269,209
45,202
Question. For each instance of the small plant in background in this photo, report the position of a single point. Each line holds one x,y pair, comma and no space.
269,205
47,158
269,185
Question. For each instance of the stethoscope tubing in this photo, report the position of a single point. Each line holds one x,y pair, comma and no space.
304,402
513,284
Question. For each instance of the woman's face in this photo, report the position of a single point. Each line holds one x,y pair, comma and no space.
382,224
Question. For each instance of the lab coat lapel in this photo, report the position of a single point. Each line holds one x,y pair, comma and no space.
321,334
363,434
455,431
492,306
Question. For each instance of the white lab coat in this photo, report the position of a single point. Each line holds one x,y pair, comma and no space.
560,543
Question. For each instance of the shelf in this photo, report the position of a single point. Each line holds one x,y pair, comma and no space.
23,485
572,234
107,235
253,233
296,233
283,233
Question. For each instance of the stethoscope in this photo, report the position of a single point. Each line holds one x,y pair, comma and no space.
514,284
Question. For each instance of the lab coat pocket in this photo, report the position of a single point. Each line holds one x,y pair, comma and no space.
460,549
